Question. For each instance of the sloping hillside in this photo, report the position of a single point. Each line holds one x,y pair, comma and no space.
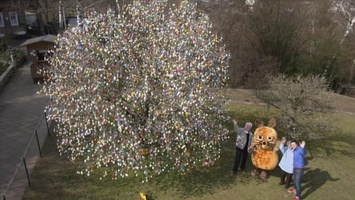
342,103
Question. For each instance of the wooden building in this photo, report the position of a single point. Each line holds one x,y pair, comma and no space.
37,51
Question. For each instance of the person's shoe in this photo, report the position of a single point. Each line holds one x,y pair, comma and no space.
264,175
234,173
255,172
291,190
296,198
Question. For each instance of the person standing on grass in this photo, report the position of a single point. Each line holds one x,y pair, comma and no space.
298,167
243,145
286,163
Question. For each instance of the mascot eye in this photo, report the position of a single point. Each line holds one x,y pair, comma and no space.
260,137
269,138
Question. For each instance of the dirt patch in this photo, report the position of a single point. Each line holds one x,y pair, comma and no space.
342,103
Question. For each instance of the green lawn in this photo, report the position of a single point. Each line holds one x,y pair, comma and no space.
329,173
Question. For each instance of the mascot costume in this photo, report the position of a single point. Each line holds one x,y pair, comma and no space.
264,156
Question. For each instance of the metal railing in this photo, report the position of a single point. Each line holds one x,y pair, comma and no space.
30,155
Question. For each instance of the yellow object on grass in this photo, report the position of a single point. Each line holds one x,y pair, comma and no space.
143,196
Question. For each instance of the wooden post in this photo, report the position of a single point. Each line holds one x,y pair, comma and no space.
28,176
39,146
45,118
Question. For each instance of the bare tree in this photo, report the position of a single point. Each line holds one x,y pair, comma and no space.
292,37
305,105
347,11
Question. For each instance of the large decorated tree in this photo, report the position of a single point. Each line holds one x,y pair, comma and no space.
138,93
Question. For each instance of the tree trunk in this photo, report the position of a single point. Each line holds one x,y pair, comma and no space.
77,12
60,15
118,8
40,22
46,11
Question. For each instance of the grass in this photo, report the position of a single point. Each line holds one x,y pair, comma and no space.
329,173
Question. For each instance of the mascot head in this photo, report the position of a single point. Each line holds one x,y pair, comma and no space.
265,138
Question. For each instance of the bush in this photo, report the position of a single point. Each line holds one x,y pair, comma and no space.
19,57
250,113
4,56
305,105
3,67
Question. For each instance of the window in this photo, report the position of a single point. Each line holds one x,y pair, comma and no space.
1,20
13,18
42,55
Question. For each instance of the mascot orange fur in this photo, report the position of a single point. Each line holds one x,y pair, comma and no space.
264,156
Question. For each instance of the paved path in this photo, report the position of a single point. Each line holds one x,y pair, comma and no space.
21,109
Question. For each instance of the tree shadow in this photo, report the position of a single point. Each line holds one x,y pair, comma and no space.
335,144
206,180
314,179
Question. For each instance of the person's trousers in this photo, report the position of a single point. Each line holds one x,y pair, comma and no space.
286,178
241,155
297,178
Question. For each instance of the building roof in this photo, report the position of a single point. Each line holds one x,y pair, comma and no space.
45,38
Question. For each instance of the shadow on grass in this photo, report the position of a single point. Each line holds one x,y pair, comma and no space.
55,176
208,180
203,181
342,144
314,179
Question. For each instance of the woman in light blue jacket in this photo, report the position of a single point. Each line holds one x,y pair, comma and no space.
286,163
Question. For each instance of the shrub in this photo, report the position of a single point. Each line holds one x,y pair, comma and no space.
19,57
304,102
3,67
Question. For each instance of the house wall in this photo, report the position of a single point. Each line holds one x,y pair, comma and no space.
31,20
8,29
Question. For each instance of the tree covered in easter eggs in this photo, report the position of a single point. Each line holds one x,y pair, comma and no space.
139,92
